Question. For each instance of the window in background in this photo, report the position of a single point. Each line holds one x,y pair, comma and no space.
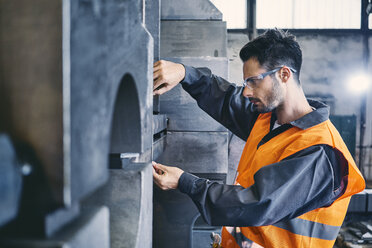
305,14
234,12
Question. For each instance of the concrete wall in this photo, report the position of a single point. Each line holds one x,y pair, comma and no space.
328,61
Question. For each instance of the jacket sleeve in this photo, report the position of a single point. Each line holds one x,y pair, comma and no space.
222,100
309,179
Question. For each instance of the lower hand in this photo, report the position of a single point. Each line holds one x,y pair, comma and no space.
166,177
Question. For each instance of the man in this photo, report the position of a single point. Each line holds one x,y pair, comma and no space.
295,177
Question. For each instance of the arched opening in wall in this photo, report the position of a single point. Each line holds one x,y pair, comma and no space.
126,122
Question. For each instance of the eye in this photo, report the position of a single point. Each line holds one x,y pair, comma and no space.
252,81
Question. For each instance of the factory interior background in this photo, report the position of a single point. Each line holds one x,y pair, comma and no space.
79,125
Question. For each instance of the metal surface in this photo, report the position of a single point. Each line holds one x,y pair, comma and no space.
159,123
59,218
130,210
369,200
346,126
358,202
196,152
95,99
10,181
194,141
126,114
184,113
91,230
152,23
193,38
201,233
71,93
61,93
176,219
158,148
251,19
182,110
189,10
174,215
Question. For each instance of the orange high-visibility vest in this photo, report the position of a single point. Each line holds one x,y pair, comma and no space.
317,228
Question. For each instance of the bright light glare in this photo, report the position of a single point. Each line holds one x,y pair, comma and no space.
234,12
316,14
359,83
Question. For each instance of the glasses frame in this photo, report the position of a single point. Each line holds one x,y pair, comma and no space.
252,80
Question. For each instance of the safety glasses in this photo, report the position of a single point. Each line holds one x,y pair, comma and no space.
252,82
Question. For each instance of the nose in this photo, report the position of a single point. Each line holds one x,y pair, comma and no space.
247,92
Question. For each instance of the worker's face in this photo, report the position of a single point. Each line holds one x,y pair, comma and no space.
266,94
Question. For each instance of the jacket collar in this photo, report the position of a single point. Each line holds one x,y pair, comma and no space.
315,117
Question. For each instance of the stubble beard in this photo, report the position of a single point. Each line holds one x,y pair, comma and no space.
273,100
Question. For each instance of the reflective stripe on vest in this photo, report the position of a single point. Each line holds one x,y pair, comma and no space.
309,228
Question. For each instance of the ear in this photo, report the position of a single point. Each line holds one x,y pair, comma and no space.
284,74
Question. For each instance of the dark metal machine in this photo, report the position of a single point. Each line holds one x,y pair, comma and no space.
75,87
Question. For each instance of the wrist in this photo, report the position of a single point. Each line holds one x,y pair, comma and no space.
186,182
183,72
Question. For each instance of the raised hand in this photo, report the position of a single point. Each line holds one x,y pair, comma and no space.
167,75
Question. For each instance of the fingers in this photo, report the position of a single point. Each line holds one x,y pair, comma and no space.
166,177
156,75
166,75
156,175
161,90
158,82
158,64
159,168
156,178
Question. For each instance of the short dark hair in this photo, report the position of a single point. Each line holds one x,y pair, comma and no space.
274,48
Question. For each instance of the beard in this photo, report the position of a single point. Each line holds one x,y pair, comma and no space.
272,100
